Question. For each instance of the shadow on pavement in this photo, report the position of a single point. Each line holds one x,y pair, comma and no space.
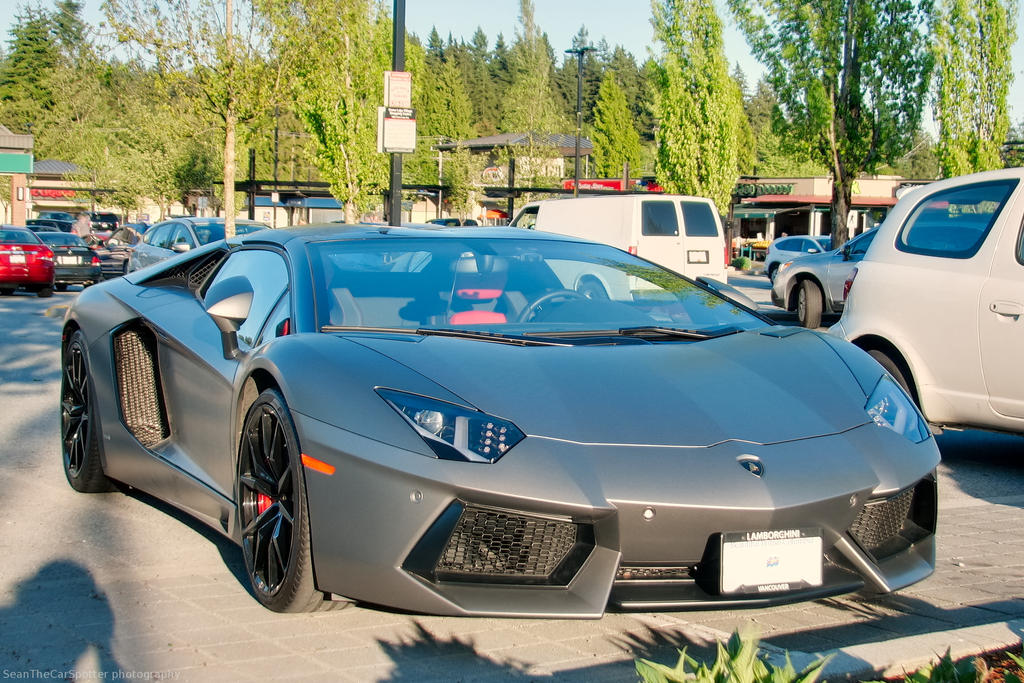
59,626
229,552
984,465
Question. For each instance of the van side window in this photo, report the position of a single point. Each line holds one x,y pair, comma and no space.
659,218
954,223
698,219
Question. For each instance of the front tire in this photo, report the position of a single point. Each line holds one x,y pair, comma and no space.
80,441
272,512
808,305
44,292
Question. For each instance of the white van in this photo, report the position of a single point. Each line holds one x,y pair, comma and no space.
678,232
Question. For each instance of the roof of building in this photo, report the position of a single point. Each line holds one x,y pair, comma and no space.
54,167
565,143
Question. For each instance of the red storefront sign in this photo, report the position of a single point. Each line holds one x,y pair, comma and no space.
51,193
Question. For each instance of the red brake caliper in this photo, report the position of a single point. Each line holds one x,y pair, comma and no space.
263,501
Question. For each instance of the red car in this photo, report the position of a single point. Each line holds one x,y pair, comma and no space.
24,262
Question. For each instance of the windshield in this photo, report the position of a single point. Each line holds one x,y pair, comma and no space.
211,232
507,286
64,239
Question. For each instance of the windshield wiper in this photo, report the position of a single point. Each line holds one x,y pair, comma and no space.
482,335
656,331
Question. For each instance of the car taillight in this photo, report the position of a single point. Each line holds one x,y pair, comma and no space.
95,260
41,252
632,249
849,284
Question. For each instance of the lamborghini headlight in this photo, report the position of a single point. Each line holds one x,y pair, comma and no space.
454,432
889,407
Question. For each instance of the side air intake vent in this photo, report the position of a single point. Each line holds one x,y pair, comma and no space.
138,385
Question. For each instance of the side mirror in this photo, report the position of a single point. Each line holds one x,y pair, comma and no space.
181,247
812,250
229,302
728,292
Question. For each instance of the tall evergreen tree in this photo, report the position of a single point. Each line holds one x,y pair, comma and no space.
973,76
616,141
25,90
697,102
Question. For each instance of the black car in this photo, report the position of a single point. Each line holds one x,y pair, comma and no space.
73,261
37,224
57,215
103,222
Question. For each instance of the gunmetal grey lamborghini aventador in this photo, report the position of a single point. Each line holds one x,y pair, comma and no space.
492,422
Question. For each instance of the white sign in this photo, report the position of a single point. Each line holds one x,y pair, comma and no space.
396,130
398,89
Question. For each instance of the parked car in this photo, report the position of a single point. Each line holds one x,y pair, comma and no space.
24,262
678,232
103,222
57,215
788,248
420,418
179,235
815,284
37,224
74,262
115,253
939,300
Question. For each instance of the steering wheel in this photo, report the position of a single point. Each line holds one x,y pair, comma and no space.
534,306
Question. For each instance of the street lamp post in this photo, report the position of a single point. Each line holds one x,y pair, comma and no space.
579,52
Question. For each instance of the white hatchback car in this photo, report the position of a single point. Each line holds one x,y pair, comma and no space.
939,300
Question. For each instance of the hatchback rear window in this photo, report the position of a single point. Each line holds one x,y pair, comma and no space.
954,223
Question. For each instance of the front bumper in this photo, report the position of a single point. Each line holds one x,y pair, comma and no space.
384,528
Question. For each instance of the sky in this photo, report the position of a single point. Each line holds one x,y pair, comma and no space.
619,22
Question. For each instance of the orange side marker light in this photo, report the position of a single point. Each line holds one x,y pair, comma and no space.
317,465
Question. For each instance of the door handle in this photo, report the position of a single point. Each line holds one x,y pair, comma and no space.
1007,308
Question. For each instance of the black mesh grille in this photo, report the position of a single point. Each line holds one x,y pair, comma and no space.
881,520
198,275
138,383
494,543
191,273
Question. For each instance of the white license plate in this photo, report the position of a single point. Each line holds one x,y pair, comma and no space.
17,258
771,561
69,260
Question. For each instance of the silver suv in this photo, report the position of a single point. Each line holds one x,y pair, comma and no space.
815,284
939,300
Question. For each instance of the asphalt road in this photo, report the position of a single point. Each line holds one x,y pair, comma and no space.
119,585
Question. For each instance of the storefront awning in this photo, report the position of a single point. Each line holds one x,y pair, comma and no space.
753,212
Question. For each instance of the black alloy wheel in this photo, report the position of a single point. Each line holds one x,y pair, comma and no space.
272,512
78,426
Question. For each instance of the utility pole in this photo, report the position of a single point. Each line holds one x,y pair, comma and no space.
579,52
397,64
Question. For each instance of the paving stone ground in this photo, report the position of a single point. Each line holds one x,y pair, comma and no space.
122,587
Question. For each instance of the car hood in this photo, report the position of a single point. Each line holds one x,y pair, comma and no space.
762,387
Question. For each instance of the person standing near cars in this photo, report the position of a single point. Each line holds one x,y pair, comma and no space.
82,226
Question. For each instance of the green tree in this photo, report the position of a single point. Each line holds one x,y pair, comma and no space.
530,104
218,56
851,77
973,72
25,89
342,48
616,141
697,103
